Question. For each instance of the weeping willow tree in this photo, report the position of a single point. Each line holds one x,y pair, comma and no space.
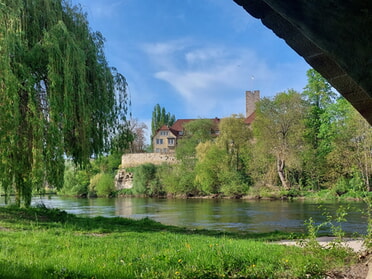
58,96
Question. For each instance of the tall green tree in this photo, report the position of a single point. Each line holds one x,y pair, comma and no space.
195,132
319,95
278,130
235,136
159,118
211,163
350,157
183,174
58,95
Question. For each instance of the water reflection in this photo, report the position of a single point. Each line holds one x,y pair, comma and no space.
228,215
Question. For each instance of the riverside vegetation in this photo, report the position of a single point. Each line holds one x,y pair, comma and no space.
311,144
49,243
60,100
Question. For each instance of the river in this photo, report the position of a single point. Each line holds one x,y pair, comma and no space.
216,214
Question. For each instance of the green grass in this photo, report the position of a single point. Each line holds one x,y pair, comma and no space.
44,243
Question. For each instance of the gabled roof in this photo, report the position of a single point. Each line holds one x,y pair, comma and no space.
178,125
163,128
167,128
248,120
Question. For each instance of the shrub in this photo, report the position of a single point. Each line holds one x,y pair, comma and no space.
146,181
178,179
76,182
233,183
102,184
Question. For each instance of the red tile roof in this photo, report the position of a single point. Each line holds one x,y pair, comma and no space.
178,125
163,128
250,118
167,128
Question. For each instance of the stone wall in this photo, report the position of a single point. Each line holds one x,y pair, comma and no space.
124,179
136,159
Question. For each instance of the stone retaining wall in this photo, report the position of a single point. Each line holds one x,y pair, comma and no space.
136,159
124,179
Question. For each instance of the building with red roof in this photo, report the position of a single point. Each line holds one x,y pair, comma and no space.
165,139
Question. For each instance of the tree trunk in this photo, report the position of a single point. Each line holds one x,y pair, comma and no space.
280,168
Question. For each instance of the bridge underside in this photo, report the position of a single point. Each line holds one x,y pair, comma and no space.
334,37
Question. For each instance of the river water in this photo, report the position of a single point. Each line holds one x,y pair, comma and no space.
225,214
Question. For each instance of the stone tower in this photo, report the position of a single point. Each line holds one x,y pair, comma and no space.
251,97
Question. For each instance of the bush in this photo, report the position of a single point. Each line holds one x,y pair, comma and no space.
178,179
146,181
76,182
107,164
102,184
233,183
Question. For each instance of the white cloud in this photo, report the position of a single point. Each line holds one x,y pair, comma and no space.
201,56
164,55
206,76
212,79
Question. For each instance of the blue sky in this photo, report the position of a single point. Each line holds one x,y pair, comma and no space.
196,58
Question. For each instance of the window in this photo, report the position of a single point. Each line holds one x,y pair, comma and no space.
159,141
157,150
170,141
164,133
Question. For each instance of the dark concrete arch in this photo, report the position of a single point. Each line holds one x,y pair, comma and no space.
333,36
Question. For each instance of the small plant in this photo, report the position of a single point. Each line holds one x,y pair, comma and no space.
312,234
334,225
337,230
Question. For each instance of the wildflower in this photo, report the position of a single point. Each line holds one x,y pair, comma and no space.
177,273
179,260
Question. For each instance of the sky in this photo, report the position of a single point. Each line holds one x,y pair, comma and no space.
195,58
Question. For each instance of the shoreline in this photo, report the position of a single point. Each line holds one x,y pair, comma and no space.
355,244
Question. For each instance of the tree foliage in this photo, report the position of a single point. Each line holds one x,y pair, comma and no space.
234,137
298,144
146,181
58,95
159,118
278,128
195,132
319,97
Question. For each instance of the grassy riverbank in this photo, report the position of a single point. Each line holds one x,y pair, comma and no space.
44,243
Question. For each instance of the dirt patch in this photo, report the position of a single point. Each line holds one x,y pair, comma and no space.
354,244
355,271
358,270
